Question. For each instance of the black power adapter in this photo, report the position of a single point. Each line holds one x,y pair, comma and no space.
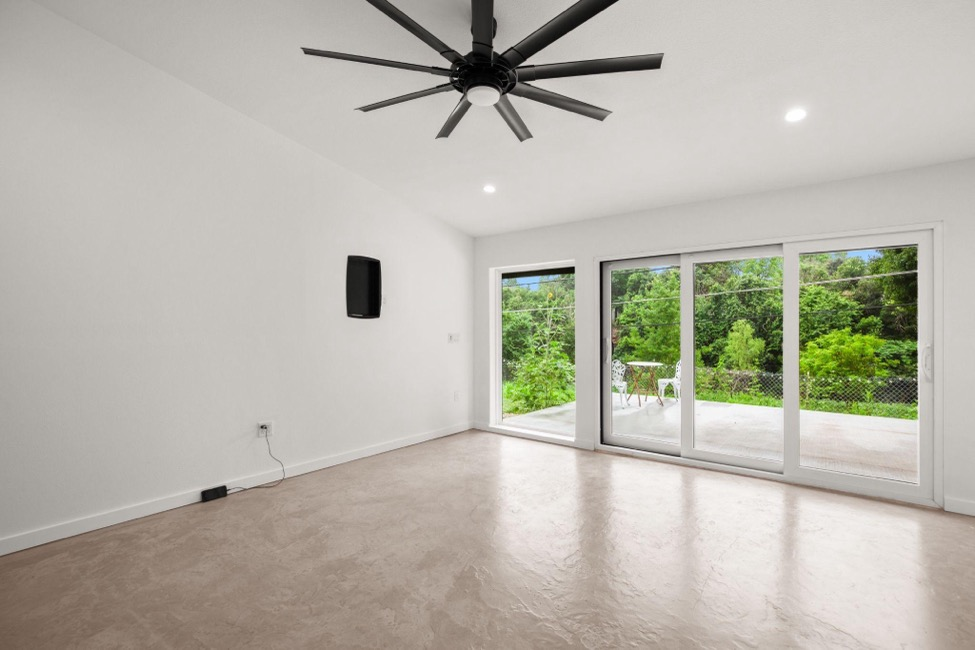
214,493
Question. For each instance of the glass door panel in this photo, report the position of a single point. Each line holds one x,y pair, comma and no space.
642,338
858,362
737,347
538,351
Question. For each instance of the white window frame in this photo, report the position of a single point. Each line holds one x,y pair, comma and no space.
687,353
929,240
496,398
924,489
606,359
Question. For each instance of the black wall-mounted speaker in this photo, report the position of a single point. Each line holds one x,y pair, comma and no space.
363,287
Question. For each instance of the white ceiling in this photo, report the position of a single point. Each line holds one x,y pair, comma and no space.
889,84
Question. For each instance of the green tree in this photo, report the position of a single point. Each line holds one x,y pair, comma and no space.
897,358
841,353
538,341
870,325
726,292
823,310
898,266
648,327
516,340
851,267
742,351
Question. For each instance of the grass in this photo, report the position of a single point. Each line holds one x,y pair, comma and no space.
727,397
877,409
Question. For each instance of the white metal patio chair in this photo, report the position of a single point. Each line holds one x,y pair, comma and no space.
619,381
673,382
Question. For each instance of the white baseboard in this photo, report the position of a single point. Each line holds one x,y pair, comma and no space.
89,523
364,452
961,506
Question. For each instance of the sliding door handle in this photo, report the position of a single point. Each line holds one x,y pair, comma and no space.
927,362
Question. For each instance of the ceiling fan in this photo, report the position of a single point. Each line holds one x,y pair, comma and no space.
486,78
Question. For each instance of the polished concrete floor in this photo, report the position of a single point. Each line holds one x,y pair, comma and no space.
486,541
861,445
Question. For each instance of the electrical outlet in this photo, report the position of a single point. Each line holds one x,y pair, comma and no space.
453,337
265,429
456,395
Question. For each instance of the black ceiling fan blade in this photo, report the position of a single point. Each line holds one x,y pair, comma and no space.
593,66
417,30
443,72
459,111
559,101
511,116
482,27
405,98
555,29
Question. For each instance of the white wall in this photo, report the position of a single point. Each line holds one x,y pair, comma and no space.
944,193
170,273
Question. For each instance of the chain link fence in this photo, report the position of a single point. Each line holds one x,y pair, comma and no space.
881,396
885,390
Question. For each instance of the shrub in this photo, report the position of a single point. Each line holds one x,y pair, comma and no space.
841,353
542,378
898,358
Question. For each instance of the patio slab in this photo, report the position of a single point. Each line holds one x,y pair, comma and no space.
853,444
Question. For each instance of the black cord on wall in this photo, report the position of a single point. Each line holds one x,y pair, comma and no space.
284,474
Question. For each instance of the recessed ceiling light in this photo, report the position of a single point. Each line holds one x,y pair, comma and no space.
490,189
796,115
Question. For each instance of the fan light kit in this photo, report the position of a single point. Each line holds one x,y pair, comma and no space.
486,78
483,95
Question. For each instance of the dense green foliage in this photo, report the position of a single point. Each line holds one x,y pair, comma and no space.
728,292
537,342
823,310
742,351
841,353
857,331
647,324
542,378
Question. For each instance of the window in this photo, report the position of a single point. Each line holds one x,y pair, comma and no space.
537,346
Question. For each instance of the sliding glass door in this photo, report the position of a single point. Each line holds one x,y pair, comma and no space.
642,351
735,340
864,380
810,359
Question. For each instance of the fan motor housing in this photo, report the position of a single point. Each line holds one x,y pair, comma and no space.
478,71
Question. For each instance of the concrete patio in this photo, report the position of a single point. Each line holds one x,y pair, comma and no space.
854,444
